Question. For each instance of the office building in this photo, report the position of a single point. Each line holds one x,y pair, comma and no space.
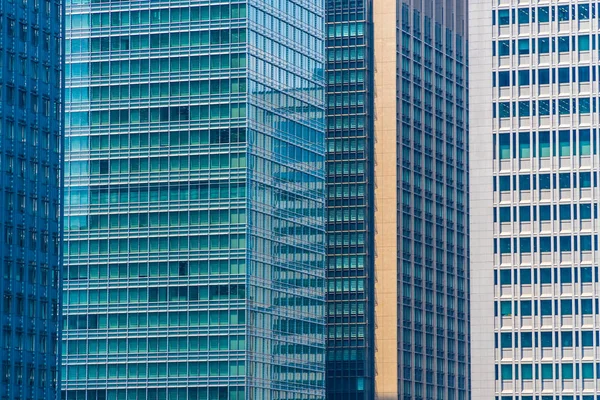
534,200
195,256
350,293
30,190
397,200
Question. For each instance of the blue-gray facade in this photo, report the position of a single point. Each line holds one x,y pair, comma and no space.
30,197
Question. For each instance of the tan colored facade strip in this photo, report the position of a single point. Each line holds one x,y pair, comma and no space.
386,288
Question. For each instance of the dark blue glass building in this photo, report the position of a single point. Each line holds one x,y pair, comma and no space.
350,230
30,182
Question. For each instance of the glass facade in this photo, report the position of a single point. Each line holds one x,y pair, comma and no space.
350,291
195,197
542,137
433,346
30,189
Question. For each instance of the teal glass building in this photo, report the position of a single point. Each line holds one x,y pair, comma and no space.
194,205
30,193
350,229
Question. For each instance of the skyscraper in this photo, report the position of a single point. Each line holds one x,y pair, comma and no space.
534,170
397,200
30,186
194,200
350,233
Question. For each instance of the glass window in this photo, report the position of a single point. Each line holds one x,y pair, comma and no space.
585,180
545,275
503,47
566,307
546,339
543,14
525,213
563,43
586,274
525,307
507,371
526,339
567,371
563,75
504,78
584,105
506,340
524,77
503,17
586,307
584,142
504,109
544,76
523,46
544,181
523,15
505,277
583,43
525,275
506,308
544,45
587,338
526,371
525,183
583,11
545,307
547,371
563,13
585,211
587,371
544,107
564,180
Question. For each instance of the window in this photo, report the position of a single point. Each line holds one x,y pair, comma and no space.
523,77
544,45
544,76
563,43
543,14
503,78
544,107
523,46
503,17
523,15
563,13
567,371
583,11
503,47
583,43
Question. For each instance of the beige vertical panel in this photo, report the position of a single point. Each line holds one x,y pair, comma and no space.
386,261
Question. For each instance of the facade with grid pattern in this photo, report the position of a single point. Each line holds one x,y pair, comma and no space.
194,200
421,192
535,126
30,192
350,291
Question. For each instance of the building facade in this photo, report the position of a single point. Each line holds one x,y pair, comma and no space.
534,168
350,229
397,87
194,199
30,193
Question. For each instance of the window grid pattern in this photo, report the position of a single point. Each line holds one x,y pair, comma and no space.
350,279
433,349
30,197
194,201
545,142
